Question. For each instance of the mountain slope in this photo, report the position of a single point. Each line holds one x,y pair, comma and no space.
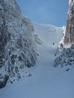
45,80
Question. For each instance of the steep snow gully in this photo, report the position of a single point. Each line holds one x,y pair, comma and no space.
44,81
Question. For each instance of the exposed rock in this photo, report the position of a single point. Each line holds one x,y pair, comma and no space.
69,33
66,56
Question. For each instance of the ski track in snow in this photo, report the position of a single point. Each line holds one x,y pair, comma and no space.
46,81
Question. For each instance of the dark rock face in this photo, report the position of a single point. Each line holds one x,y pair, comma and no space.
17,45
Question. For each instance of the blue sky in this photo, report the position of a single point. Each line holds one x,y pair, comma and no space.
45,11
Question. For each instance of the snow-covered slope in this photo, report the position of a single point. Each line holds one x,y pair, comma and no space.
44,81
47,35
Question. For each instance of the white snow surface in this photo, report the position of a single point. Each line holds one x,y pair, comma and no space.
46,81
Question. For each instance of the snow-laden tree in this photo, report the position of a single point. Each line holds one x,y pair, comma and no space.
17,44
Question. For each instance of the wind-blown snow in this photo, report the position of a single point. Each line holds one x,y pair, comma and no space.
46,81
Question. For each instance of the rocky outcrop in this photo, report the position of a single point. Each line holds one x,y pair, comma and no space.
65,57
69,33
17,45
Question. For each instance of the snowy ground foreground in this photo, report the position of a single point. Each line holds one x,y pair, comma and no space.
46,81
